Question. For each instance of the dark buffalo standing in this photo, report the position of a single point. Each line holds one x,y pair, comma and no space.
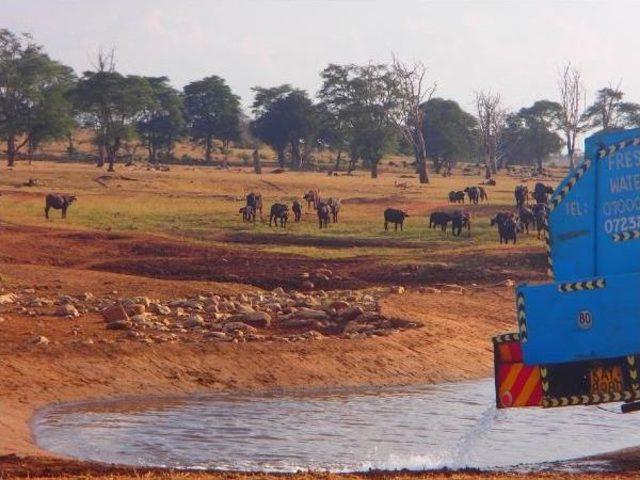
526,217
313,198
279,211
395,216
58,202
254,200
521,193
460,220
324,214
507,226
473,193
248,214
483,194
334,206
296,208
541,193
540,211
456,197
439,219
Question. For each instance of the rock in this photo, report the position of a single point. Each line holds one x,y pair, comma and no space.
119,325
159,309
86,296
40,340
509,283
400,323
453,289
67,310
339,305
312,335
143,301
257,319
310,313
355,327
39,302
429,290
324,271
8,298
278,291
140,318
239,326
115,313
212,308
193,321
136,309
397,289
319,277
298,322
226,307
193,305
307,285
218,335
241,309
351,313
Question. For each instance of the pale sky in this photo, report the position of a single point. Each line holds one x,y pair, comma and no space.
515,48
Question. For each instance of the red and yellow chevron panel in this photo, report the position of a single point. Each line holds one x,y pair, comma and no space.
519,385
509,352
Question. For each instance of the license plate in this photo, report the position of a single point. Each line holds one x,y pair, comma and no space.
605,379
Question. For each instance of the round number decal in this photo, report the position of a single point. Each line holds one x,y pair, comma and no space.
585,319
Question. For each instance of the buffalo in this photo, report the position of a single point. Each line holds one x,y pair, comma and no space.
324,214
395,216
296,208
334,206
58,202
279,212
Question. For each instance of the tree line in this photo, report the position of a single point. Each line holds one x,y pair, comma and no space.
360,114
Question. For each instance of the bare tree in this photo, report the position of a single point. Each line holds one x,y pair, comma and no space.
491,121
572,101
412,91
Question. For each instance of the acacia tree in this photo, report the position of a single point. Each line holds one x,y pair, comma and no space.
112,104
450,132
162,121
540,122
285,118
363,96
411,91
33,105
213,112
334,122
605,112
491,121
572,101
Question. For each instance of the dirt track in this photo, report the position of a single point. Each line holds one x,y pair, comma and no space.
164,258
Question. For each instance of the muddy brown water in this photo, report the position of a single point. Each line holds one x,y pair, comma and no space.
417,428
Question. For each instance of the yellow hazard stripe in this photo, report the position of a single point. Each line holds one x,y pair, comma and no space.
527,390
514,371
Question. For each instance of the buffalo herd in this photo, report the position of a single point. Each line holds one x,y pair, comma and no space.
509,224
328,210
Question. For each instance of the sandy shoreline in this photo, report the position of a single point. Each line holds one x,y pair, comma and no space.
447,348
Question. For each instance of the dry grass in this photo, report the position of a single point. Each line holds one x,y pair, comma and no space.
201,204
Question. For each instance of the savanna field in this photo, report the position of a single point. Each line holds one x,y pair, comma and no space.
172,245
200,205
